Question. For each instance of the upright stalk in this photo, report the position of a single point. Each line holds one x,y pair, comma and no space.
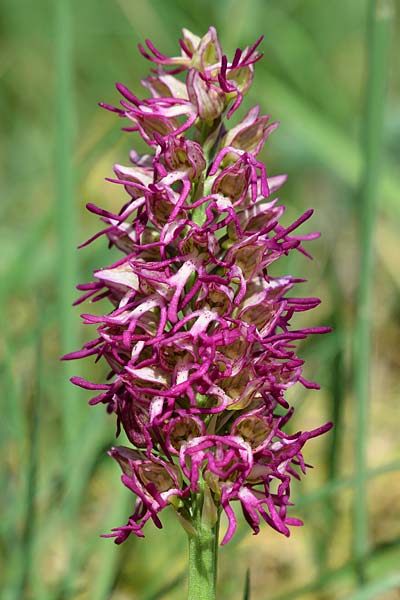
67,266
65,206
203,554
377,46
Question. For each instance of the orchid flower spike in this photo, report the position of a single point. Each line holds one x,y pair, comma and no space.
197,335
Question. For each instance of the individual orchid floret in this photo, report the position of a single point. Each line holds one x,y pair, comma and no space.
197,335
153,481
250,134
207,98
236,78
213,86
179,155
201,54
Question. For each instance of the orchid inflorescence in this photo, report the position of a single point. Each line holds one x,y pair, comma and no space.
198,340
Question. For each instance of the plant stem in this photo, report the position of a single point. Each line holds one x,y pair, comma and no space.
65,210
203,555
378,46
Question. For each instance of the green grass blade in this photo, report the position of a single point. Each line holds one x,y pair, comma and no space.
108,554
30,521
326,143
378,47
344,574
333,487
65,209
376,588
246,593
338,375
169,587
67,260
13,487
29,247
24,419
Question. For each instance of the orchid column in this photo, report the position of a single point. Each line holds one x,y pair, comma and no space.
198,339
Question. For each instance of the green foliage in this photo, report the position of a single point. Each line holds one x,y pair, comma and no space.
246,595
60,491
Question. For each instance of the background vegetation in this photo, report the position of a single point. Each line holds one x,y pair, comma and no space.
60,491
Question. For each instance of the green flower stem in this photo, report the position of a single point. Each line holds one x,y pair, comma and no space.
203,555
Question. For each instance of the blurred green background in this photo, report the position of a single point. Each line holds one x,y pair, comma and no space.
60,491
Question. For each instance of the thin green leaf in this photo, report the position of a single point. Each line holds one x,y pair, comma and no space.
322,139
169,587
343,574
109,556
376,588
379,23
65,208
30,246
246,593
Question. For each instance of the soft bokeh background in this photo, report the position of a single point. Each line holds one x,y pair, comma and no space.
60,491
